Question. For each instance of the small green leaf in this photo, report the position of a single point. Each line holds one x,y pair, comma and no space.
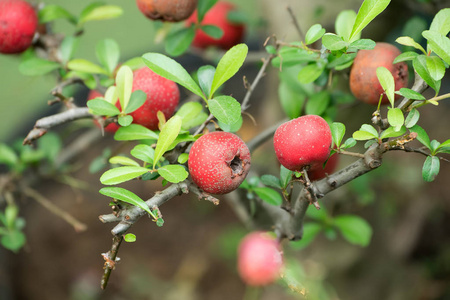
318,103
129,238
101,107
189,112
310,73
51,12
108,54
334,42
420,66
337,132
183,158
363,135
159,222
134,63
84,65
393,132
405,56
231,127
68,46
225,108
439,44
354,229
123,160
122,174
291,100
212,30
124,85
14,240
349,143
363,44
410,94
441,22
177,42
205,75
229,65
167,135
430,168
344,24
396,118
7,155
445,144
173,173
181,138
314,33
269,195
144,153
272,181
203,6
387,83
310,231
172,70
422,135
199,119
37,66
134,132
370,129
126,196
367,12
412,118
97,12
137,99
435,67
408,41
434,146
285,176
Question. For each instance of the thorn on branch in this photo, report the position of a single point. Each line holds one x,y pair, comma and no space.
111,259
202,195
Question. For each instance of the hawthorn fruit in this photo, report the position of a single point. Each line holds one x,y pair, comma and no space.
167,10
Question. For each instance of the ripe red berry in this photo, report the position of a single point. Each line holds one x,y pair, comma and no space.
320,172
217,16
364,82
303,143
162,95
219,162
259,259
167,10
113,127
18,23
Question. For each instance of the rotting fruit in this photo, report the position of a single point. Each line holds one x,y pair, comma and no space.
167,10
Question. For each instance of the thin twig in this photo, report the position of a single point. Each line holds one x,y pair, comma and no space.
349,153
297,26
110,260
202,195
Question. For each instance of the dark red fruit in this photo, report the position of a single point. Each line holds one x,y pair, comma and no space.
167,10
303,143
18,23
112,127
219,162
217,16
259,259
364,82
320,172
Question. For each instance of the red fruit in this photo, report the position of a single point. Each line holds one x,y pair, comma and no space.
303,143
113,127
18,23
321,172
259,259
162,95
217,16
219,162
167,10
364,82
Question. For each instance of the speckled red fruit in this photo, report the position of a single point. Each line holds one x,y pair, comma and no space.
167,10
113,127
18,23
320,172
303,143
259,259
217,16
364,82
219,162
162,95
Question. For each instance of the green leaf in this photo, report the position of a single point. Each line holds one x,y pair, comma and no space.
396,118
124,85
37,66
408,41
405,56
231,127
392,132
314,33
310,73
189,111
205,75
88,79
177,42
134,63
445,144
96,12
310,231
269,195
108,54
134,132
183,158
199,119
435,67
410,94
122,174
173,173
123,160
420,66
318,103
350,142
285,176
212,30
11,212
272,181
367,12
430,168
229,65
441,22
144,153
126,196
181,138
129,238
101,107
291,101
111,95
341,61
387,83
363,135
344,24
334,42
172,70
434,146
225,108
363,44
203,6
439,44
167,135
370,129
354,229
53,12
84,65
7,155
137,99
422,135
68,46
412,118
14,240
337,132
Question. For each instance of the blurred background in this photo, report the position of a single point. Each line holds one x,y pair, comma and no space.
193,255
